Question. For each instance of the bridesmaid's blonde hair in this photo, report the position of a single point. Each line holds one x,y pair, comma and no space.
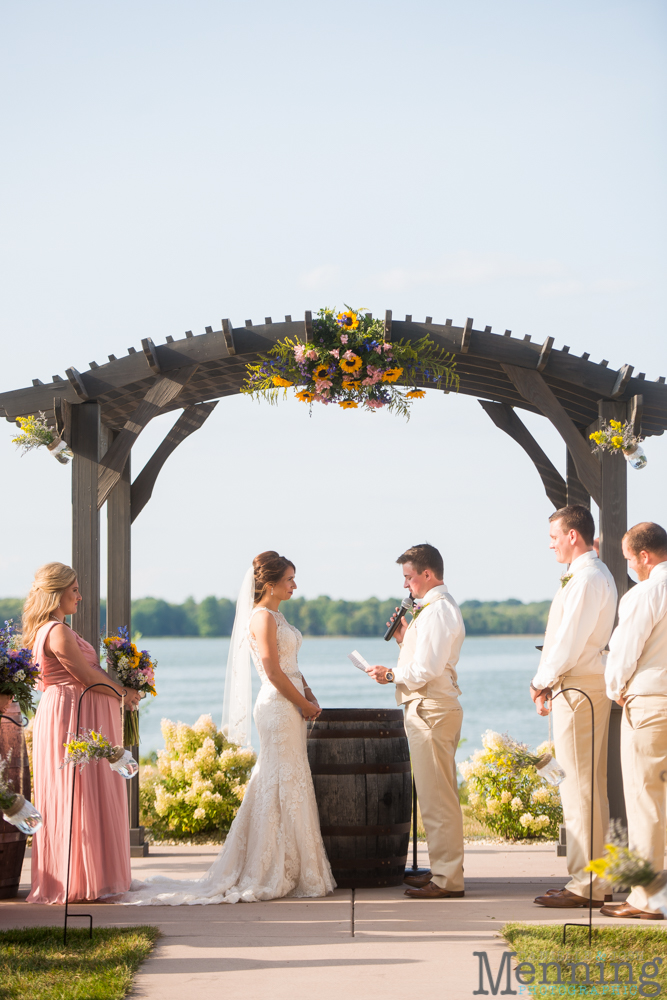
44,597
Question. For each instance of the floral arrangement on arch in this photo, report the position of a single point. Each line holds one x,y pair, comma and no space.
619,438
134,669
198,782
36,433
349,362
508,797
18,672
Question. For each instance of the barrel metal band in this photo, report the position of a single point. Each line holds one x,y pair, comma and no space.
361,715
403,767
363,864
366,831
357,734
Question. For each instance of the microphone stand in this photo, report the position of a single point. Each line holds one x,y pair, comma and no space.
415,870
69,915
590,877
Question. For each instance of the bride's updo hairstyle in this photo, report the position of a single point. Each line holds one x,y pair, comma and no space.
44,597
269,568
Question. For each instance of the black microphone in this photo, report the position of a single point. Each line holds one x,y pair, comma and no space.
407,604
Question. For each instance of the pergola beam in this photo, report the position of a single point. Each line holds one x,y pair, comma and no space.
532,387
165,389
189,421
507,420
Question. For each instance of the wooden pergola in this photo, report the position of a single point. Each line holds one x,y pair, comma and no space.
102,411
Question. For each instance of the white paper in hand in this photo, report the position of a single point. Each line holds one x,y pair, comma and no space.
359,661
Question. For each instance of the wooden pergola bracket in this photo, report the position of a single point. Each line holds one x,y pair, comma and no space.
387,324
158,396
622,379
228,334
308,326
545,351
532,387
76,382
465,336
506,420
151,355
189,421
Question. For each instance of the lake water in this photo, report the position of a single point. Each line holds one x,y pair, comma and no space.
494,674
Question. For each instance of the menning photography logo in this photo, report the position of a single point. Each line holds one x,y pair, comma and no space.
564,979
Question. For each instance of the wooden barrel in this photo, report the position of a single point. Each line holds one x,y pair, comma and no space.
360,762
17,772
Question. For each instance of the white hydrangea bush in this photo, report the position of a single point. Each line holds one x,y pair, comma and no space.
198,782
517,804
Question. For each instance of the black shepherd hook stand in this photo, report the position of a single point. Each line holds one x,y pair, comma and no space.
415,870
21,725
68,915
590,877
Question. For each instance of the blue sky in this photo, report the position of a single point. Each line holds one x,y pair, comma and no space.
167,164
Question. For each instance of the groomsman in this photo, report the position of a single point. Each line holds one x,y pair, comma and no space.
426,684
636,676
580,623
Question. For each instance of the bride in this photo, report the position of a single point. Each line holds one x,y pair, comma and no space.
274,847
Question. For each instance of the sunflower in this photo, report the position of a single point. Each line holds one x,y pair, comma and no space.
348,404
320,372
305,397
352,364
351,385
279,380
415,394
392,374
348,320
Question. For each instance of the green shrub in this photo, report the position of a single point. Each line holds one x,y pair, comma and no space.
516,804
198,782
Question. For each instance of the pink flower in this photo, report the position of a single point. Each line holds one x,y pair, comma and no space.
387,347
320,398
299,351
378,350
374,404
335,354
343,338
312,355
322,385
349,355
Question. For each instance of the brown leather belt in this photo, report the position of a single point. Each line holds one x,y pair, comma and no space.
401,768
365,831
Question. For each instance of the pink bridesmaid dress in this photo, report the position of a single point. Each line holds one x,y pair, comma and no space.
100,836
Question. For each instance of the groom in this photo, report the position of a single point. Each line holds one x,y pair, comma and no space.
426,684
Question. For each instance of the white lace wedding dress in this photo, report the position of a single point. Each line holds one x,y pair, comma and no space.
274,847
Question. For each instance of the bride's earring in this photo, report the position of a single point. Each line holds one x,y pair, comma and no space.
271,591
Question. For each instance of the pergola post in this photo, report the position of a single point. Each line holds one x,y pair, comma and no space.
85,443
576,491
613,525
119,611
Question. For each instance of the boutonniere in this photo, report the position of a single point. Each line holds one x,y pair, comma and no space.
565,579
416,611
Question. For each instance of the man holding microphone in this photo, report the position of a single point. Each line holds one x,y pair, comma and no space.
426,684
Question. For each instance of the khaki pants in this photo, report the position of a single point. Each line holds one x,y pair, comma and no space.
434,730
573,741
643,759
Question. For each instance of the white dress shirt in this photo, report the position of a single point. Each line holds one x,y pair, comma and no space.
580,622
637,661
430,649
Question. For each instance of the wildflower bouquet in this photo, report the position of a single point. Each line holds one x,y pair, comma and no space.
350,363
16,809
92,746
18,673
135,669
620,867
198,783
506,792
35,432
520,757
619,438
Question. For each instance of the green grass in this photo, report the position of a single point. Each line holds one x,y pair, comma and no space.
34,964
637,945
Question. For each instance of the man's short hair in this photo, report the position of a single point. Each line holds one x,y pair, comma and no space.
424,557
646,536
576,517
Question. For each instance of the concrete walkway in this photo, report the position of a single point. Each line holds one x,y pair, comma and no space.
286,948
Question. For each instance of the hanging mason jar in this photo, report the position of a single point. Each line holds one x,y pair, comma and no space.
635,456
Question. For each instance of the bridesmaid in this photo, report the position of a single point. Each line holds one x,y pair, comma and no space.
100,864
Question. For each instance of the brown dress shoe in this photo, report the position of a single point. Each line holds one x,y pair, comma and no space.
552,892
417,881
564,899
625,910
433,891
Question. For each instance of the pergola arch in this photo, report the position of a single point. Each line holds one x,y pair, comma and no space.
102,411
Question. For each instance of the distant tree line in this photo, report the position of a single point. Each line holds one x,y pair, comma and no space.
320,616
